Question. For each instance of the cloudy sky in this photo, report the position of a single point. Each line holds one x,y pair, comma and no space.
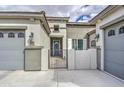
79,13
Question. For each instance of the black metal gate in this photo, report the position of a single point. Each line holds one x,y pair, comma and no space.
99,58
57,59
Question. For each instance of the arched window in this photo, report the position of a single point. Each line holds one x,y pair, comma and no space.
21,35
111,33
93,43
1,35
121,30
11,35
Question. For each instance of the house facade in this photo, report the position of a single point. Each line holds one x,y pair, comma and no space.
16,28
110,35
64,37
76,33
32,41
58,42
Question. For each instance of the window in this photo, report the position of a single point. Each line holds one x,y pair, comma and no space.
1,35
93,43
21,35
121,30
111,33
11,35
80,44
56,28
77,44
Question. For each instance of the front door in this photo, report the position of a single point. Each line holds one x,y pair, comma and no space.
56,48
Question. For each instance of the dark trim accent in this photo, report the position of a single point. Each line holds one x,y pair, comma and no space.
46,22
24,50
91,32
98,49
59,27
66,48
44,27
49,59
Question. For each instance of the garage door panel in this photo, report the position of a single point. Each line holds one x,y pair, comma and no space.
116,56
11,52
13,66
114,53
114,68
11,44
114,44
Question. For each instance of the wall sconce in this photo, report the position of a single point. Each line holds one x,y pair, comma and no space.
97,37
31,41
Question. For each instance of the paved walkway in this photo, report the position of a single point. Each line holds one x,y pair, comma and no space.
60,78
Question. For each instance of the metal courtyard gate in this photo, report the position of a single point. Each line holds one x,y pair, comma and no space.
57,59
99,58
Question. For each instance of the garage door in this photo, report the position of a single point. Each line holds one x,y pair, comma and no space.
114,51
11,50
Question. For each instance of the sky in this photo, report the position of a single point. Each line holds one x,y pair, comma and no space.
77,13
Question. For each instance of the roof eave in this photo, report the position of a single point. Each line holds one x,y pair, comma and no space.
79,24
27,15
104,12
50,18
17,14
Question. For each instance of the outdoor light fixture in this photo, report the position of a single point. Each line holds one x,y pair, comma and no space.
31,37
97,37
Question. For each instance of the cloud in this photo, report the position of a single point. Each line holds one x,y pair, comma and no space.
72,11
85,12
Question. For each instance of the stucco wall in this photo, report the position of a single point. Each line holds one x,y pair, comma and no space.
34,27
61,33
76,32
82,59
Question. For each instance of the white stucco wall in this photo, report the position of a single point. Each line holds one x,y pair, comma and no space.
76,32
82,59
61,33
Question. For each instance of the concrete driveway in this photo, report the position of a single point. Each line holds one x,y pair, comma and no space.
58,78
